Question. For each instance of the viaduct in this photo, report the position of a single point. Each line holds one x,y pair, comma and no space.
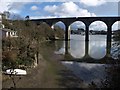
109,21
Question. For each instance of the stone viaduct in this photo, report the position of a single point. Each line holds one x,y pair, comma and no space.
109,21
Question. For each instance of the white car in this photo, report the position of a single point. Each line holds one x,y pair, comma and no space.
16,72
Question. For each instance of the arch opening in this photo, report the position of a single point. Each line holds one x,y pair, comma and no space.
77,39
97,39
59,30
59,24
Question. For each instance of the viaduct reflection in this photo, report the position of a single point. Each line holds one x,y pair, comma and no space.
87,58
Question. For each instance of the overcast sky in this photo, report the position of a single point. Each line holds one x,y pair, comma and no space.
61,8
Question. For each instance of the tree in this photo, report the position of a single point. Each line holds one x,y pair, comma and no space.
27,17
7,14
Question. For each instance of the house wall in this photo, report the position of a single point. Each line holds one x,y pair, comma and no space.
13,34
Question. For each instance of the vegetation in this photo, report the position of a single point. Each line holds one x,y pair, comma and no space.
23,49
116,36
58,33
116,44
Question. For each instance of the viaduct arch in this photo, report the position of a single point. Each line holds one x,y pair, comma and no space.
109,21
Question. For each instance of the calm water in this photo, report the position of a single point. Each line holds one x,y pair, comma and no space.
76,47
96,49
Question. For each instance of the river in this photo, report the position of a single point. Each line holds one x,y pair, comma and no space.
91,73
97,46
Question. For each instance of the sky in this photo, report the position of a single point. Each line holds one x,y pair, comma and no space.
37,9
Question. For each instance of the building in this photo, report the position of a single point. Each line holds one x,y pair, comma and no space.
4,15
1,17
8,33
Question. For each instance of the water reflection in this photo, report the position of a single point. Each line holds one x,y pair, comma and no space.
88,69
78,48
61,50
97,46
88,72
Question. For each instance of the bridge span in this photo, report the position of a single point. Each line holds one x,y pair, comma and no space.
109,21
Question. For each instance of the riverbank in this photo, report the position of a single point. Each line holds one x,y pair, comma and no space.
49,73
